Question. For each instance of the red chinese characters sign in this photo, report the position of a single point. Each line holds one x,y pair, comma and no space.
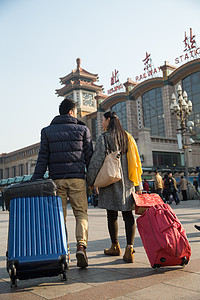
191,50
149,69
116,85
115,77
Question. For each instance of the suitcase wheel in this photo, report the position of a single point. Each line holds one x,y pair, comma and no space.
63,275
156,267
13,281
184,261
13,277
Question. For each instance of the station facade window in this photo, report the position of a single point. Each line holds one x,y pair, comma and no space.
191,84
7,173
120,109
21,170
166,159
26,169
13,170
152,103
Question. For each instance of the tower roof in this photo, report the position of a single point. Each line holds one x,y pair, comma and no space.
79,72
79,79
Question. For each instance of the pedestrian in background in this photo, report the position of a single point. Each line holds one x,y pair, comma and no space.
171,188
146,186
183,187
164,188
176,188
2,200
117,196
158,183
66,149
195,183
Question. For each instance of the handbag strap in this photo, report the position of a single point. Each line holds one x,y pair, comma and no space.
106,145
107,151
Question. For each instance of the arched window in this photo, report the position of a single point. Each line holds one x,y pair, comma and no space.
120,109
191,84
152,103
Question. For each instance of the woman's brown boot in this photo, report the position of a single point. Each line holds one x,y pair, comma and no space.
129,254
114,250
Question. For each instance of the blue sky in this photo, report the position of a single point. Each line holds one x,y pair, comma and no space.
41,39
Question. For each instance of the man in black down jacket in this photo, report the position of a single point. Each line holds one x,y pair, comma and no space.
66,149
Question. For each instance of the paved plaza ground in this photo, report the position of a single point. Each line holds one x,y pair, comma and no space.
110,277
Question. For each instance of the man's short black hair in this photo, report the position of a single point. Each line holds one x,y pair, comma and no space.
66,105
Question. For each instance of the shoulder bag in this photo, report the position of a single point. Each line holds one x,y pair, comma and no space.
110,171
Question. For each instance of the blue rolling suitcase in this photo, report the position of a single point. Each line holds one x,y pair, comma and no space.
37,241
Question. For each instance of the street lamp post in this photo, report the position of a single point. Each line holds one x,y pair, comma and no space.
182,108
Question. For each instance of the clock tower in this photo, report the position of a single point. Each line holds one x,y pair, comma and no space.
79,85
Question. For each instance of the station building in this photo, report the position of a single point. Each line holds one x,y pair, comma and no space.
143,109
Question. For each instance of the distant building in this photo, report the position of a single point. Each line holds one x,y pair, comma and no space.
19,163
143,109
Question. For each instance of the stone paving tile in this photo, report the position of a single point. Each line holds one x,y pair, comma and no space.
7,293
164,292
52,291
48,288
130,269
104,291
106,276
121,298
3,272
188,282
78,274
150,279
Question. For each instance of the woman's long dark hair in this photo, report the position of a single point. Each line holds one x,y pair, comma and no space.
117,132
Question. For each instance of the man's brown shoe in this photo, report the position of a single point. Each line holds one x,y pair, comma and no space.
114,250
82,261
129,254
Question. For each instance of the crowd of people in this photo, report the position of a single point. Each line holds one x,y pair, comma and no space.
168,188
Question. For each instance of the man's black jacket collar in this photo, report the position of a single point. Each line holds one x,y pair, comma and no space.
66,119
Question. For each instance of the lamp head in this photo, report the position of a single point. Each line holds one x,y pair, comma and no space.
184,105
185,96
171,108
173,97
175,106
179,90
190,105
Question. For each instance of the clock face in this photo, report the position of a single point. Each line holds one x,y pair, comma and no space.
88,99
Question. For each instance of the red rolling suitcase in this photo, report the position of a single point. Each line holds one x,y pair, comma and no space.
163,237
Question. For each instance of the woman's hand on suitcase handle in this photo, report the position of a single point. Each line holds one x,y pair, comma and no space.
139,192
